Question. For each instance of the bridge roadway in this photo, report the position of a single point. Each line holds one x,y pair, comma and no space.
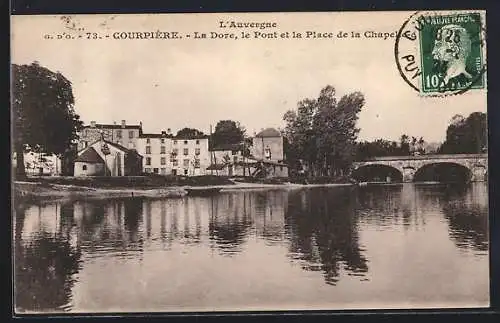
408,166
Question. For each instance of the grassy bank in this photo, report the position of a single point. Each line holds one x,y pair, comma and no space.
146,186
133,182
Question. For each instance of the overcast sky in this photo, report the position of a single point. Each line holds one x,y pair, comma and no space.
195,83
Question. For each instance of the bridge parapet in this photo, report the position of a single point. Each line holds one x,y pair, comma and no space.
425,157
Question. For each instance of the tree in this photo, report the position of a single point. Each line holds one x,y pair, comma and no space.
323,131
421,145
189,133
44,118
228,132
466,135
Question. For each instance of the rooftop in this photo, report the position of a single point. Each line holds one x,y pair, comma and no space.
90,155
113,126
227,147
156,135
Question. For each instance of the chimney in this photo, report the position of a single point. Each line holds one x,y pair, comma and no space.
163,133
123,123
140,124
92,124
169,130
114,122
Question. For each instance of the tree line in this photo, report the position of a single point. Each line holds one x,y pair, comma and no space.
320,135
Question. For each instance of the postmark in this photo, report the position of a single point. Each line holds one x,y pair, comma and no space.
442,53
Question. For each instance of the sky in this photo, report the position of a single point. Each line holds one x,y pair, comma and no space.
196,82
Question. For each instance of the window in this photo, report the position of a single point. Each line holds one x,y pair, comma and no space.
148,141
148,160
131,145
197,151
234,152
84,167
175,151
163,161
148,149
118,133
196,163
85,144
175,162
197,142
186,151
131,134
162,150
175,142
155,170
186,162
163,170
162,140
185,142
268,153
185,172
147,170
235,159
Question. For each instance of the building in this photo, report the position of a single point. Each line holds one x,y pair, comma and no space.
106,158
167,154
156,149
266,158
228,160
268,145
227,153
163,153
39,164
122,134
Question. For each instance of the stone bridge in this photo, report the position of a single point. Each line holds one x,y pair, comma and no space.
408,166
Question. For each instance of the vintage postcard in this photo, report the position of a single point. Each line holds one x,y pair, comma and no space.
250,162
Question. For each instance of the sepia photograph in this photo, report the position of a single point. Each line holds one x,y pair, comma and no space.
215,162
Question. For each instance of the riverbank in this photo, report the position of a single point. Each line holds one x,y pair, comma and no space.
55,188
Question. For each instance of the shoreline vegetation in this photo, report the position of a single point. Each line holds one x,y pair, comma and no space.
155,186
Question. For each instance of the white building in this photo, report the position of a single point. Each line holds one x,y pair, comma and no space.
167,154
39,164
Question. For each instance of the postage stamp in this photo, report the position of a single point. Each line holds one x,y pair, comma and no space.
444,53
452,57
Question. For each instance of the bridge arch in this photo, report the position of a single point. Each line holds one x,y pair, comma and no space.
377,173
443,171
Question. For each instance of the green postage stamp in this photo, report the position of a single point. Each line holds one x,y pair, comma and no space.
451,48
442,53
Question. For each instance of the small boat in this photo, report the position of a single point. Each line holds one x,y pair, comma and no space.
202,191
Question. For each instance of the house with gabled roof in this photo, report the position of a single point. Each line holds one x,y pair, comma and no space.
106,158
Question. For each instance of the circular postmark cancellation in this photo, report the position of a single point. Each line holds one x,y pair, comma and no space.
442,53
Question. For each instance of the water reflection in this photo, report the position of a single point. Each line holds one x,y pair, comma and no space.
320,231
45,265
322,226
467,214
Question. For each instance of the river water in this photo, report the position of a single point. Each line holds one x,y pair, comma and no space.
401,246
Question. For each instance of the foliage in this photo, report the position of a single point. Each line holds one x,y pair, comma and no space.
381,147
322,132
466,135
227,132
44,119
189,133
